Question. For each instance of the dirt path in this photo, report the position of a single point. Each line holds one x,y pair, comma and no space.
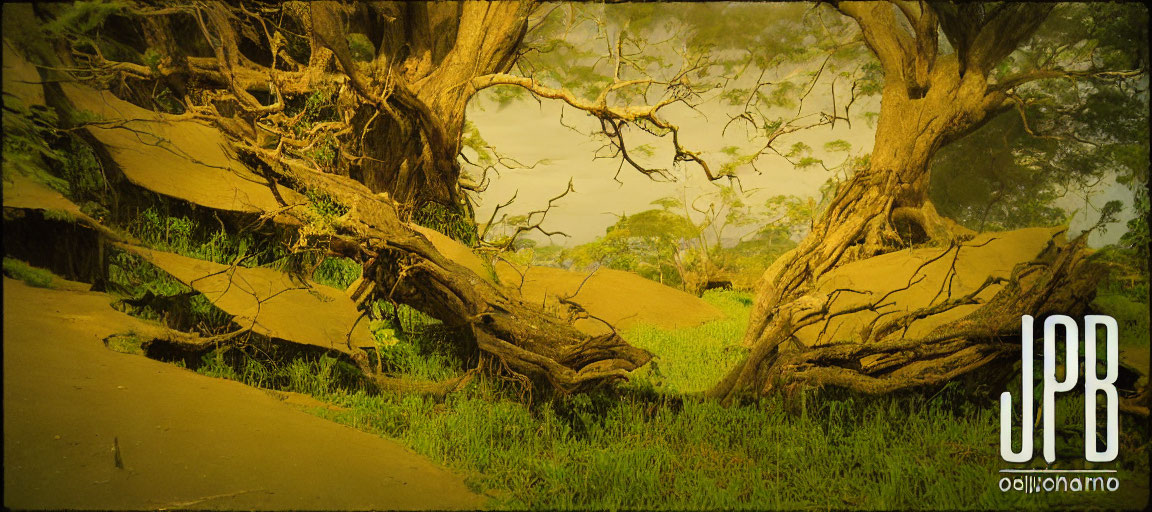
185,440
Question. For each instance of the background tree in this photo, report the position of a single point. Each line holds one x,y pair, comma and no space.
1065,136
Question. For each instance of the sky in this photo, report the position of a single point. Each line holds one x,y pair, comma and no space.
530,130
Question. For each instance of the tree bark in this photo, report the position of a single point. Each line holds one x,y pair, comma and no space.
400,114
407,144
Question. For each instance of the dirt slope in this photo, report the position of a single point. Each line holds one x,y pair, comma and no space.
621,298
989,254
270,302
20,77
186,441
176,156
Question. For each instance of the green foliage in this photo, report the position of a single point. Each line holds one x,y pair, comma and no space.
667,246
1082,131
129,343
990,180
320,376
645,243
361,47
1127,272
1123,294
59,215
1137,237
324,152
693,359
472,139
324,204
325,213
449,221
32,276
82,17
1131,317
645,449
567,48
214,365
316,107
33,147
337,272
412,344
131,277
25,147
79,166
186,236
82,23
317,378
837,145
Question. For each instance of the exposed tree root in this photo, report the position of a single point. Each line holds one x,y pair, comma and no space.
436,390
882,359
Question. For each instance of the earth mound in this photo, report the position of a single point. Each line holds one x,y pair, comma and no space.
619,298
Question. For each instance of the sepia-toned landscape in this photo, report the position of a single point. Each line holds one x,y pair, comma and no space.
530,255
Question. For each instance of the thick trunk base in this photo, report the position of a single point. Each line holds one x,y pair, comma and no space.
1060,281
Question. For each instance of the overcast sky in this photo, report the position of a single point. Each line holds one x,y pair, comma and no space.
528,131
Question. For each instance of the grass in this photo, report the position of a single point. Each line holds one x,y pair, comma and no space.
186,236
646,446
1131,317
337,272
32,276
449,221
318,376
128,343
693,359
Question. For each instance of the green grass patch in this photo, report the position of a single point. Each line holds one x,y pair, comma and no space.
449,221
1131,317
630,452
694,359
128,343
32,276
322,376
186,236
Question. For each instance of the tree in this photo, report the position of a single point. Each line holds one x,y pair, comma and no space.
280,83
394,76
946,72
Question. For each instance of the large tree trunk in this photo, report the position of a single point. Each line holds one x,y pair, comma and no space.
399,114
928,101
885,206
429,53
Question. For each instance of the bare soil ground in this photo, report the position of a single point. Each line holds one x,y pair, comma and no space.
176,156
185,440
620,298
